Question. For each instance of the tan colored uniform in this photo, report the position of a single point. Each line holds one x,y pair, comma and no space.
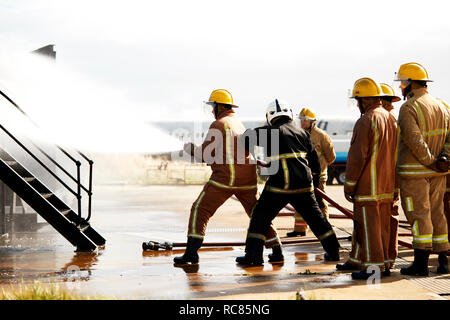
232,174
325,151
396,203
424,131
370,177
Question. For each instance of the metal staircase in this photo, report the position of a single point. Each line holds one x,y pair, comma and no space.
69,223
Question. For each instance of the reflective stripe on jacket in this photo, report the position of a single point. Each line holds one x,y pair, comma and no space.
324,147
289,150
229,161
424,134
370,170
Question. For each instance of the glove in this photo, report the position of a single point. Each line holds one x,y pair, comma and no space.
396,196
349,197
262,163
442,163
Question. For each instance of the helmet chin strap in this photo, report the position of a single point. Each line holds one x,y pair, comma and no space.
360,105
407,90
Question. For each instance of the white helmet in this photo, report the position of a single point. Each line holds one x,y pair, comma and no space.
278,108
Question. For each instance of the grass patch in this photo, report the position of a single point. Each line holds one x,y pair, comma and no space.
43,291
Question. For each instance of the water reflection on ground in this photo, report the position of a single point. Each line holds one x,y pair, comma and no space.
126,217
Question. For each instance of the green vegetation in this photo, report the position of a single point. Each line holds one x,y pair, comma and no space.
42,291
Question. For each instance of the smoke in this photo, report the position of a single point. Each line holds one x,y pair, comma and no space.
75,111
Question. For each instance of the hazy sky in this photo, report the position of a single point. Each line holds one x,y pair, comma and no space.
167,56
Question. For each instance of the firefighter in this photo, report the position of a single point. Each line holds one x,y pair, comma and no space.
232,174
369,182
325,151
292,160
422,166
388,99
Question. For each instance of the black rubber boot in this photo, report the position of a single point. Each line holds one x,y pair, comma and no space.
420,265
362,275
190,255
253,253
332,256
443,263
276,255
295,234
346,267
331,247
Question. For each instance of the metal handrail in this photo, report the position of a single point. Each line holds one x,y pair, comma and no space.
37,159
77,180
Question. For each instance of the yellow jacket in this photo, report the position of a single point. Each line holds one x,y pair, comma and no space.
324,147
424,133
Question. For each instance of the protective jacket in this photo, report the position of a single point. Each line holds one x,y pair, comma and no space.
424,131
292,160
230,163
324,148
370,170
290,153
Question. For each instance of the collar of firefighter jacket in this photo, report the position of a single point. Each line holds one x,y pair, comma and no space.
388,105
417,93
373,106
225,113
313,127
282,120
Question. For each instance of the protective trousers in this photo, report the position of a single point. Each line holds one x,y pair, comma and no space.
373,239
300,224
447,202
393,231
211,198
270,204
423,204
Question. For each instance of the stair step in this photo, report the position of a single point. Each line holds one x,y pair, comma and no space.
46,195
10,162
29,179
65,211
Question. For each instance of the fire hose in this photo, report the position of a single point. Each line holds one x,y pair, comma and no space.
154,245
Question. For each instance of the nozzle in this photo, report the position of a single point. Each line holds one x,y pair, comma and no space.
153,245
149,246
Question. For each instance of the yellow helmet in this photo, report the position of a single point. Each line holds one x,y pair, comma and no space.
365,88
307,114
389,92
412,71
221,96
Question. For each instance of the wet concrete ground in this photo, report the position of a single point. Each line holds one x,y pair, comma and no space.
129,215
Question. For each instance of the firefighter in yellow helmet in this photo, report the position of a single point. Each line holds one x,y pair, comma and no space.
326,153
369,182
388,99
232,174
421,166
